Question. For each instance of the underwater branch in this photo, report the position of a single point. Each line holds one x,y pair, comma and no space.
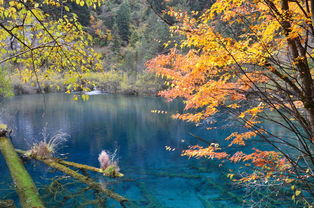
54,163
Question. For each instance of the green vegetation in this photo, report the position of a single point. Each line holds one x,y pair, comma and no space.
117,38
5,84
25,187
114,81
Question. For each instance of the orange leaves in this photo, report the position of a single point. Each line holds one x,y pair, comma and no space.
239,138
237,157
269,160
195,117
208,152
233,105
236,50
270,163
252,112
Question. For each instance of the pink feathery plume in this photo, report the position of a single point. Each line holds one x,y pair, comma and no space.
104,159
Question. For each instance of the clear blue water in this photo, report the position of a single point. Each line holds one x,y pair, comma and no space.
153,177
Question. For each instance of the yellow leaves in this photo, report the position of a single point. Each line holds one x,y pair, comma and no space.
297,192
252,111
3,126
66,52
269,31
230,175
233,105
66,8
224,69
168,148
85,97
75,97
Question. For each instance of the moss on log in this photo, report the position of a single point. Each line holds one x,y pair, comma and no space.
25,187
107,172
84,179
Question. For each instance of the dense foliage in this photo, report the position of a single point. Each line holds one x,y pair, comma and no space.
252,60
34,42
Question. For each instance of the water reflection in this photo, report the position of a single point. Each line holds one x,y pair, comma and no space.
126,123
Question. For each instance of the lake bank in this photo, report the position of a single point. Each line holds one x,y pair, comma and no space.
112,82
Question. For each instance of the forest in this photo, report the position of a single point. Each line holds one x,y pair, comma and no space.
157,103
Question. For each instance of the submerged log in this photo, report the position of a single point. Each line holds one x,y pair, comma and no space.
107,172
110,171
84,179
206,203
151,199
25,187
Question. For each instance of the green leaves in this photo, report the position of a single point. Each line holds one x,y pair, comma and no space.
297,192
66,8
47,46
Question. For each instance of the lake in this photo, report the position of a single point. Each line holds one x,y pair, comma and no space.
154,177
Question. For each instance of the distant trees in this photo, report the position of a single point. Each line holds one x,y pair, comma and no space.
37,42
123,21
252,60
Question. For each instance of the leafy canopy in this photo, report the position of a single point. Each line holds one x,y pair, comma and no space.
252,60
34,42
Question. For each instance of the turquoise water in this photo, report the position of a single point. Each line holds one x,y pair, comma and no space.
154,177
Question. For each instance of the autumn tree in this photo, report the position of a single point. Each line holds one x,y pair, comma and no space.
253,60
38,44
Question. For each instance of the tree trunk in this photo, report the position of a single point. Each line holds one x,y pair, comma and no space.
84,179
25,187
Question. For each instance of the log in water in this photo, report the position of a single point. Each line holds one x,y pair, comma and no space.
84,179
25,187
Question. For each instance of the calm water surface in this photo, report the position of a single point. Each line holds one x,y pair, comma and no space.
154,177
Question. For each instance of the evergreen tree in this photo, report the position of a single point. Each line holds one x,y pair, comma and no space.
123,20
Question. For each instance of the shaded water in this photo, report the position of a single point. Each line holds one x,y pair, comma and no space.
154,177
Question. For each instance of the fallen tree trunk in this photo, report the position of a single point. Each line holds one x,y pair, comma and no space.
84,179
105,172
25,187
110,171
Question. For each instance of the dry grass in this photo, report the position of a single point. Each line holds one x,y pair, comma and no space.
47,147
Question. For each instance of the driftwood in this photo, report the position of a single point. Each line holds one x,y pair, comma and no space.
84,179
25,187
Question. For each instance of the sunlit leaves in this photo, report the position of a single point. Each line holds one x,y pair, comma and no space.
211,152
233,59
44,45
